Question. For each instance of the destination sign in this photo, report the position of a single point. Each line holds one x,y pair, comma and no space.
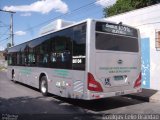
116,29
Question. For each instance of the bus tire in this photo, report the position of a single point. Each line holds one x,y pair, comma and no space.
44,86
13,76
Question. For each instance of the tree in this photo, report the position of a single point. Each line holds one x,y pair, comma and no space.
122,6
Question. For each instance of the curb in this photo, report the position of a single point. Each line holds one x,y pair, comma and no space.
155,97
148,95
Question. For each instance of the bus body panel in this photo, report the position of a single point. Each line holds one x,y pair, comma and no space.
114,75
61,82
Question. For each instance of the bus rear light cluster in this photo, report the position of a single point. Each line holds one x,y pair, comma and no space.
138,81
93,85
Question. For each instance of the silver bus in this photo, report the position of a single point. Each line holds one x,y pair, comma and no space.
92,59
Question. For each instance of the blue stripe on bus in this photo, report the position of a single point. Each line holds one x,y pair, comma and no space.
145,49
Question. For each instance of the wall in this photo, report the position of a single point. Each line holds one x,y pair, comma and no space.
147,20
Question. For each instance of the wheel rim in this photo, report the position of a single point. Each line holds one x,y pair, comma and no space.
43,86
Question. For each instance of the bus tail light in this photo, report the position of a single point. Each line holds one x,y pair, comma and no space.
138,81
93,85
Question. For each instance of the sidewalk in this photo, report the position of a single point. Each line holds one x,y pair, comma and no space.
148,95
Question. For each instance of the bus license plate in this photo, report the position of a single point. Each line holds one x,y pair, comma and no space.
119,93
118,78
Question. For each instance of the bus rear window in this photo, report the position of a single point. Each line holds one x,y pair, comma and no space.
113,42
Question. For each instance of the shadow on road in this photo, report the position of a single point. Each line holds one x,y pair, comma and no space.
60,108
102,104
94,105
145,95
38,108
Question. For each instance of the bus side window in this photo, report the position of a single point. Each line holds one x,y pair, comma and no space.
79,47
45,58
61,56
9,59
53,57
66,56
31,59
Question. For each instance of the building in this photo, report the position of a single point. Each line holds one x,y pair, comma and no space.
147,20
2,55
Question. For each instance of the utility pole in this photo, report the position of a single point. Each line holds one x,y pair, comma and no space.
11,26
11,29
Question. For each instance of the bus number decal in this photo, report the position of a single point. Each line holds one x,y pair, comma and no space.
77,61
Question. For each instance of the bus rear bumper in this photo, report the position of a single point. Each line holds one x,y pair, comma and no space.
92,95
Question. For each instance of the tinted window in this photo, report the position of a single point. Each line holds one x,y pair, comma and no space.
25,56
31,57
63,49
79,47
116,42
19,58
62,53
42,54
9,59
14,58
116,29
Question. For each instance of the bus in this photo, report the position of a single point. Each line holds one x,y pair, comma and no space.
88,60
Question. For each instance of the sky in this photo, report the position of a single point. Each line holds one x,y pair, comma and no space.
32,15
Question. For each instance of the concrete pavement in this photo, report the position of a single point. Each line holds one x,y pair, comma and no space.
148,95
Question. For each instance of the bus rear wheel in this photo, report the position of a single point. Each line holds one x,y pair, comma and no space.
44,86
13,76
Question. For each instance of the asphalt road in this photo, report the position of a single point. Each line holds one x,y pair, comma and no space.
20,102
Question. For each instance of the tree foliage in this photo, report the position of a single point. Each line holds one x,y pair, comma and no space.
122,6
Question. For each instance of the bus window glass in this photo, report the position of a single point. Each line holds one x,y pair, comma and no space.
31,57
116,37
42,54
116,43
63,50
18,58
79,47
9,59
24,58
